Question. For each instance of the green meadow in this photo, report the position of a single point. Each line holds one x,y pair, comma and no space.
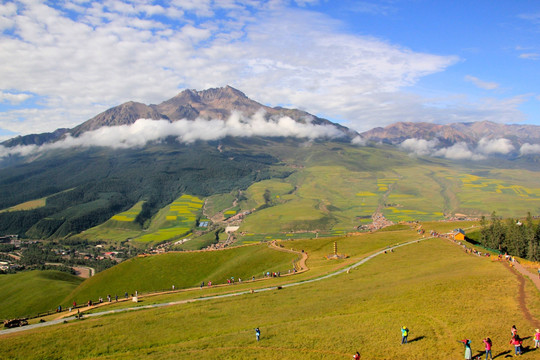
433,287
32,292
182,269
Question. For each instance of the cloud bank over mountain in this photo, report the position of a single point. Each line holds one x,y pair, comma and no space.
460,150
145,131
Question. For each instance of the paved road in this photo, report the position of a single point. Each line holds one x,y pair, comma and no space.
347,269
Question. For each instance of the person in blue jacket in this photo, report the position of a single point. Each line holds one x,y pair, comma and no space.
257,333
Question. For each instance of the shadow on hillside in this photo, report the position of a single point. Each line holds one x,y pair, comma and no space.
506,353
418,338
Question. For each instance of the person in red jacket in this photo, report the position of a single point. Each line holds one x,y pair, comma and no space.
516,341
356,356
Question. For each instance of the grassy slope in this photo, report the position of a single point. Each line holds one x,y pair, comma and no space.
183,270
433,287
29,293
336,187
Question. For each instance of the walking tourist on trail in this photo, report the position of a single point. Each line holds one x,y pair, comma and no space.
404,334
487,342
468,351
356,356
537,338
257,333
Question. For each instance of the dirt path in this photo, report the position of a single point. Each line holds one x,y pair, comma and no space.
522,296
520,271
523,270
300,263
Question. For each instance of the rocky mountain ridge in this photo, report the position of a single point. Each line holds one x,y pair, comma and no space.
220,103
452,133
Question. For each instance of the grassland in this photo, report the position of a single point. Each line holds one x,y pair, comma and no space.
29,293
184,269
341,197
441,293
28,205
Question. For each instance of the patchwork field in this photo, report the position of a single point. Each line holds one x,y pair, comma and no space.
173,222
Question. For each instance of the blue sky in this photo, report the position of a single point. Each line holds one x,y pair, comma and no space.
361,63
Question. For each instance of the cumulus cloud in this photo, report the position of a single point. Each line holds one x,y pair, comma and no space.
79,58
144,131
528,149
481,84
105,53
13,98
495,146
419,147
359,141
458,151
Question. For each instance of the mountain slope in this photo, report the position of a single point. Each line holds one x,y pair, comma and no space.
452,133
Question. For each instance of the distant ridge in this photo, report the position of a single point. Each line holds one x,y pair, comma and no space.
457,132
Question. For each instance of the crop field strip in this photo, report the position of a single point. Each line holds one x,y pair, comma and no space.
180,220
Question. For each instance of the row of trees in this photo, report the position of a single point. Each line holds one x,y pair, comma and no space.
515,237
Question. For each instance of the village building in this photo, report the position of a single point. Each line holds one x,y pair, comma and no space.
459,234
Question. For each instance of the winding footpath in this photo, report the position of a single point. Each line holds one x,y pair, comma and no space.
212,297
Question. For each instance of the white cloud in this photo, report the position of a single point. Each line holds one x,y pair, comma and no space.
527,149
145,131
458,151
494,146
530,56
117,51
13,98
481,84
359,141
419,147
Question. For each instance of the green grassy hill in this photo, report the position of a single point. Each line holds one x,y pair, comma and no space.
433,287
184,269
29,293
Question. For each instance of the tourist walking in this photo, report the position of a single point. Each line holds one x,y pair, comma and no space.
356,356
487,342
404,334
258,333
468,351
537,338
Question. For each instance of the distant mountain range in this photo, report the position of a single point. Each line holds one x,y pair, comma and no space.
220,103
218,141
453,133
